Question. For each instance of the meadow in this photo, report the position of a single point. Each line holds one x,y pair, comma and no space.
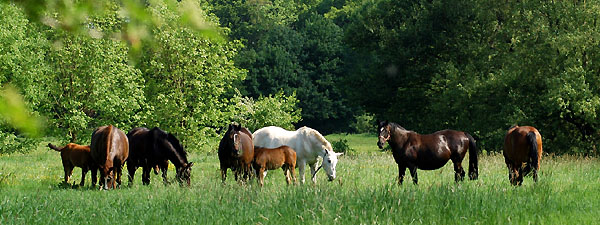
365,192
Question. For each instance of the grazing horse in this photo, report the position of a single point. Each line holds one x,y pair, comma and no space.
308,143
283,157
430,151
236,151
155,148
74,155
109,149
522,153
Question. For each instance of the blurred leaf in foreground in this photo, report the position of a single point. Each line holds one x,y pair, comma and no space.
14,112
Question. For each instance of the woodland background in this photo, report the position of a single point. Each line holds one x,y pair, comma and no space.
191,67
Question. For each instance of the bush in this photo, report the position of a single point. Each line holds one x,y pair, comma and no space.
278,110
364,123
342,146
10,143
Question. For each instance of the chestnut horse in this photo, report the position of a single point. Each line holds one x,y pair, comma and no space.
74,155
236,151
282,157
109,149
522,153
153,148
430,151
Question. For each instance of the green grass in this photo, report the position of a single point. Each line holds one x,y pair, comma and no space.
364,193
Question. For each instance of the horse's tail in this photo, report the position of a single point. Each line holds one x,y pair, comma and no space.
109,138
473,161
533,152
50,145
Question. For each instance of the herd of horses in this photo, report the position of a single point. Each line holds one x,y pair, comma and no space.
249,154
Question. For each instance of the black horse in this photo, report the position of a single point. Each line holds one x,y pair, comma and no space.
236,151
152,148
430,151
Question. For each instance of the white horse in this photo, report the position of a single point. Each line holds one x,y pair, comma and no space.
308,143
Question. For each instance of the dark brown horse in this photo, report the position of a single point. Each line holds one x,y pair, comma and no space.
430,151
155,148
522,153
74,155
109,149
283,157
236,151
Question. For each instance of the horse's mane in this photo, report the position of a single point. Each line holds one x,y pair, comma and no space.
179,153
395,125
309,131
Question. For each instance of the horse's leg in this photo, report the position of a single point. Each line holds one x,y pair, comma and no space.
413,174
118,175
286,173
401,171
83,172
293,171
146,174
520,176
68,172
459,172
223,174
301,166
313,170
164,167
94,176
261,180
131,172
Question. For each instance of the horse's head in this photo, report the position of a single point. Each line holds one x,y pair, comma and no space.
384,133
184,173
329,163
234,139
107,180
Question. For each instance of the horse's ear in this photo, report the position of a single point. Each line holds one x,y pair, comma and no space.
190,165
238,127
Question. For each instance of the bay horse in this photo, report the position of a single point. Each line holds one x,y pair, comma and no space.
154,148
308,143
109,149
236,152
74,155
522,153
282,157
430,151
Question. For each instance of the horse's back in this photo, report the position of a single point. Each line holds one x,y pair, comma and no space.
516,145
273,137
109,142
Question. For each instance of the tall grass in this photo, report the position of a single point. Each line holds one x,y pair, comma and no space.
364,193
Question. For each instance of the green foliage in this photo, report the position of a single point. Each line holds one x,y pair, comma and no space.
481,67
274,110
343,147
288,47
187,77
73,17
364,123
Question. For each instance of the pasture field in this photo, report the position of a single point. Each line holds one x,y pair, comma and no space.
365,192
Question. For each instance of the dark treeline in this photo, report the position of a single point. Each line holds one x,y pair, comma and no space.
334,65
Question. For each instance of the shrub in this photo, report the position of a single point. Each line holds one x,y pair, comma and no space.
364,123
342,146
274,110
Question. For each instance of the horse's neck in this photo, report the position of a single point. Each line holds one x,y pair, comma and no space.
401,137
177,159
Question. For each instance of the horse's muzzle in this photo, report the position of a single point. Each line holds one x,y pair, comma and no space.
330,178
380,145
